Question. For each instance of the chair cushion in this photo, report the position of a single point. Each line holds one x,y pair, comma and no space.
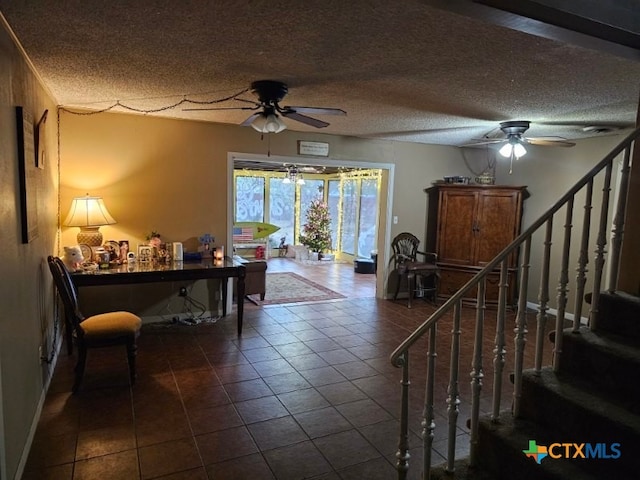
109,325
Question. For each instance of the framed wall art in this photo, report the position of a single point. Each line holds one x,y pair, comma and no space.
40,140
27,172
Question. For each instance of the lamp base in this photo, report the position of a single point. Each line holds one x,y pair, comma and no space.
90,236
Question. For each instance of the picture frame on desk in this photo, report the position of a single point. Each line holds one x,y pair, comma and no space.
123,245
145,253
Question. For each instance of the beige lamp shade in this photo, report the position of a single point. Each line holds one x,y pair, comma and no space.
88,213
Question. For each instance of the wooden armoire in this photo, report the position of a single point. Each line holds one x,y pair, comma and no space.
467,226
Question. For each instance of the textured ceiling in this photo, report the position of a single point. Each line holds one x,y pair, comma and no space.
402,70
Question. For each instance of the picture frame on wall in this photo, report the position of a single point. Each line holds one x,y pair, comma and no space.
40,151
27,172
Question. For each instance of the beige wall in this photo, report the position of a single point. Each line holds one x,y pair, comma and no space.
26,296
173,176
549,173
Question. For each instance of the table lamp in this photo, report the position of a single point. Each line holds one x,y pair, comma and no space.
88,213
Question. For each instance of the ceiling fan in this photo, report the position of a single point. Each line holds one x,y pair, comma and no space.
267,119
514,141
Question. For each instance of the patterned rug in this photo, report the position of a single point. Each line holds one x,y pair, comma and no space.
289,287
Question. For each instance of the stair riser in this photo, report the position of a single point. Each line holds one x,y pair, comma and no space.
572,422
605,372
503,457
619,313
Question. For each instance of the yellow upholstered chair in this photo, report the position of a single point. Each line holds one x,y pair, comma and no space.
102,330
422,276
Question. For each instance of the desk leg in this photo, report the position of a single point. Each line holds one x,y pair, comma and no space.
224,283
240,300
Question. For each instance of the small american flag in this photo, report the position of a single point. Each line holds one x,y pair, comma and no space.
242,234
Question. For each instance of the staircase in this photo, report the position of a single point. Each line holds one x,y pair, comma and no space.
574,414
593,399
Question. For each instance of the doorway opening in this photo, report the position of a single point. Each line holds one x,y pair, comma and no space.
278,191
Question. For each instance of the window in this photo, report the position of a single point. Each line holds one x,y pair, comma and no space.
368,216
333,201
349,216
249,199
282,200
309,191
352,200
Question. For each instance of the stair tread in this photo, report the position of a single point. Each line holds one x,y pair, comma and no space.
614,343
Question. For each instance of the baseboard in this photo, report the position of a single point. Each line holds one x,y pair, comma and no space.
36,418
554,312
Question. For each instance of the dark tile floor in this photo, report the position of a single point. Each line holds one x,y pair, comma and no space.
306,392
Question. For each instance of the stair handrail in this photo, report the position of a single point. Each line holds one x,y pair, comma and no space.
491,266
400,356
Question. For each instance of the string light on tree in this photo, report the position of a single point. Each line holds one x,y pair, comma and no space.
316,233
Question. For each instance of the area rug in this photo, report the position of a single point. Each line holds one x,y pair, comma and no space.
287,287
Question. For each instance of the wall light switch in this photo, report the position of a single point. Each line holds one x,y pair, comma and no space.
395,219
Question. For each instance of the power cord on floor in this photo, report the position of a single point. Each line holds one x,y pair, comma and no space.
193,309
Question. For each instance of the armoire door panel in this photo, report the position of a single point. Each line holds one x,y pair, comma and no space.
455,235
497,224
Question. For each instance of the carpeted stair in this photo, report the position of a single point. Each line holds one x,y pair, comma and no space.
594,398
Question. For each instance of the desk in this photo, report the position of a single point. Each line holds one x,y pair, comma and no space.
176,271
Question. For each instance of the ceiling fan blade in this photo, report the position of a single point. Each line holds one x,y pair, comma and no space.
250,119
550,141
316,110
219,108
314,122
479,143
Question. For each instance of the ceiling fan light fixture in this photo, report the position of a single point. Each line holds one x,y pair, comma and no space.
293,176
274,124
506,150
270,123
519,150
513,147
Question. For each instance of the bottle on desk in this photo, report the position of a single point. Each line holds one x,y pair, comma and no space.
177,251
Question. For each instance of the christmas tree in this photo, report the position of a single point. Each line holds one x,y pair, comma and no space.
316,233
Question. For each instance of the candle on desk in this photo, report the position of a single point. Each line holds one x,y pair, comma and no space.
220,253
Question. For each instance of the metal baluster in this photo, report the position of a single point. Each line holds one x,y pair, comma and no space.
562,286
428,423
477,374
520,339
453,400
402,465
600,249
618,224
500,351
583,259
543,297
